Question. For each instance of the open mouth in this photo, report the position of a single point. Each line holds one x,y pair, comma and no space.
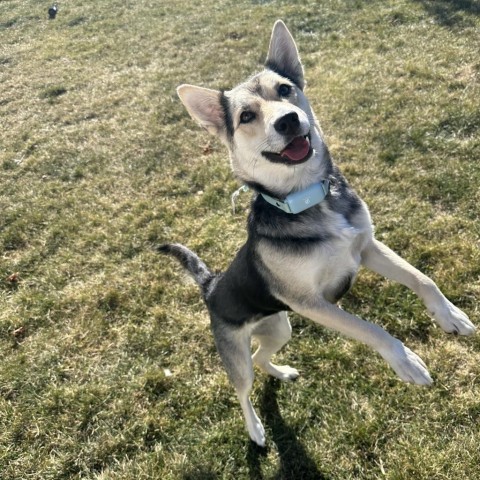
297,151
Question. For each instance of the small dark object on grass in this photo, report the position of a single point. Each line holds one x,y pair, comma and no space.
52,11
13,278
19,332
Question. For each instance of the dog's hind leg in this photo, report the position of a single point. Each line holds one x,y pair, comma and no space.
379,258
233,345
273,332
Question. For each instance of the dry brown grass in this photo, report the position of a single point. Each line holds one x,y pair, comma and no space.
98,161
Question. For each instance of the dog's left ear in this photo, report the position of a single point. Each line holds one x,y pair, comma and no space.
283,55
204,106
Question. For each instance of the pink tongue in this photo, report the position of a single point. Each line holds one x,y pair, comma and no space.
297,149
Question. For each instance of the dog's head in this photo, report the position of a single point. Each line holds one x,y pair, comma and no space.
266,122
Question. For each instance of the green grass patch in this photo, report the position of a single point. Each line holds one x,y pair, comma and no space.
108,367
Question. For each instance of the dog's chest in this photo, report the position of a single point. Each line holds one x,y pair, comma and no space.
326,268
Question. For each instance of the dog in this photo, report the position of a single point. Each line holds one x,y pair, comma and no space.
308,233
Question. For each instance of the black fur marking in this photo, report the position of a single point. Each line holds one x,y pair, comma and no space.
274,67
237,296
241,294
284,231
297,245
227,114
342,288
347,202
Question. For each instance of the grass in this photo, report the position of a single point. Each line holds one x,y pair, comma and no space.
108,367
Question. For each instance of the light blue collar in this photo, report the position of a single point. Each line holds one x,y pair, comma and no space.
299,201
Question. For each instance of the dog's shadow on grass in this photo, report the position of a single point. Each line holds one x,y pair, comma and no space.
294,459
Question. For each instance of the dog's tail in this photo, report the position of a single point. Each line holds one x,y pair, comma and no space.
191,262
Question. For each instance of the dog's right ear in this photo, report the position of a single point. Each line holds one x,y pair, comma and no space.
204,106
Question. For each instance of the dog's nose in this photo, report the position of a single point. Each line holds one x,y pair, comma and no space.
289,124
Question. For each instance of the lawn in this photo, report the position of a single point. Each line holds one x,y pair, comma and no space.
108,368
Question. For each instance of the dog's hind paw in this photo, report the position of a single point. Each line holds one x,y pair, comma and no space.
452,320
257,433
408,365
282,372
253,423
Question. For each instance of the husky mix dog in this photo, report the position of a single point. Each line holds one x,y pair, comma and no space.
308,232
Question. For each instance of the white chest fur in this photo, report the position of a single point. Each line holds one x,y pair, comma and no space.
316,271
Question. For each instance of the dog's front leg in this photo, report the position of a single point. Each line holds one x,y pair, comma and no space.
233,345
379,258
407,365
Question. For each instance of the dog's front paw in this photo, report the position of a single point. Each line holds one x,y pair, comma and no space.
407,364
452,319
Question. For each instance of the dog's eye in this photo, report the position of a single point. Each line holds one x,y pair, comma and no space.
247,116
284,90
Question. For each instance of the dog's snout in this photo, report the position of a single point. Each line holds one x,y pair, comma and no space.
289,124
